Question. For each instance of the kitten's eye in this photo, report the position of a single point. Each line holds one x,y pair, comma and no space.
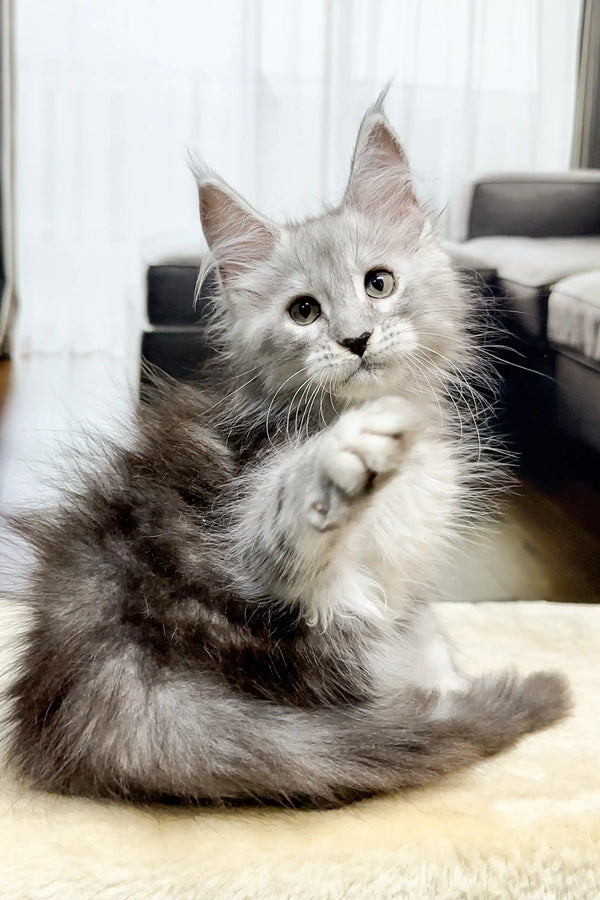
304,310
379,283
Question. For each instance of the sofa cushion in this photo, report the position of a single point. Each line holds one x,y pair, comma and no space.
536,262
528,267
574,314
170,293
177,350
578,397
171,261
468,262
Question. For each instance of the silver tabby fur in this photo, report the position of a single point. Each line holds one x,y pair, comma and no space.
236,607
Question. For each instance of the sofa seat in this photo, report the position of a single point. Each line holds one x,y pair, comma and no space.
527,268
522,825
574,332
574,314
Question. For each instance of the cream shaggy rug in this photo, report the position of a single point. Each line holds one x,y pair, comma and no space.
525,825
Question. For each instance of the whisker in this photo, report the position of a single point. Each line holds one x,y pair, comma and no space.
298,407
274,398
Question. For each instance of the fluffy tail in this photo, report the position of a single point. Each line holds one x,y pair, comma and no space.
192,740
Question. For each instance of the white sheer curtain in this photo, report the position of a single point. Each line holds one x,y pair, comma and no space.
112,92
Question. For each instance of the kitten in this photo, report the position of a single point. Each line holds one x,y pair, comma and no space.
235,607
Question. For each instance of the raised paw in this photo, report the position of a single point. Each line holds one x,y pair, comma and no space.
363,443
367,442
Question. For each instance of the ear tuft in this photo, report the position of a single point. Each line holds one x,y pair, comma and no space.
237,235
380,184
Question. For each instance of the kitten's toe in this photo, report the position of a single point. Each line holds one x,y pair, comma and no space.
328,510
369,441
347,472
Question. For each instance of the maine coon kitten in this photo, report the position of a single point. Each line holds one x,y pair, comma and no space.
236,606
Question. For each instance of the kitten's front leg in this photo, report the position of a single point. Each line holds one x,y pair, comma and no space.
288,523
363,445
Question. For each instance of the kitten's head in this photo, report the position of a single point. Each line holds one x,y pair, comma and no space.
360,300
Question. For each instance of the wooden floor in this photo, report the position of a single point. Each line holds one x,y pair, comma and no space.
547,546
4,381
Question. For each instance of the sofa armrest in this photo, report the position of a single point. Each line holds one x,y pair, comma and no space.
536,205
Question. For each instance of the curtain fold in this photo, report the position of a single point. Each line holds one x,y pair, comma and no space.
7,240
270,92
586,139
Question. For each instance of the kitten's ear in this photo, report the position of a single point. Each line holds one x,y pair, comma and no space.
236,234
380,184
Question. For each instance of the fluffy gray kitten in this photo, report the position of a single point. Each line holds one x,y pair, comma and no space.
235,607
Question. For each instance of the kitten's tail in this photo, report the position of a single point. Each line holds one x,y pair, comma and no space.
428,736
171,739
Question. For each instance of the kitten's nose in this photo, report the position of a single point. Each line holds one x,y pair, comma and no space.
357,345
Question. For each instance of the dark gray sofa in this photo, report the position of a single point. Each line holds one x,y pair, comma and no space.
173,339
541,234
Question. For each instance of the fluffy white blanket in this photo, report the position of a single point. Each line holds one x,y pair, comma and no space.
525,825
